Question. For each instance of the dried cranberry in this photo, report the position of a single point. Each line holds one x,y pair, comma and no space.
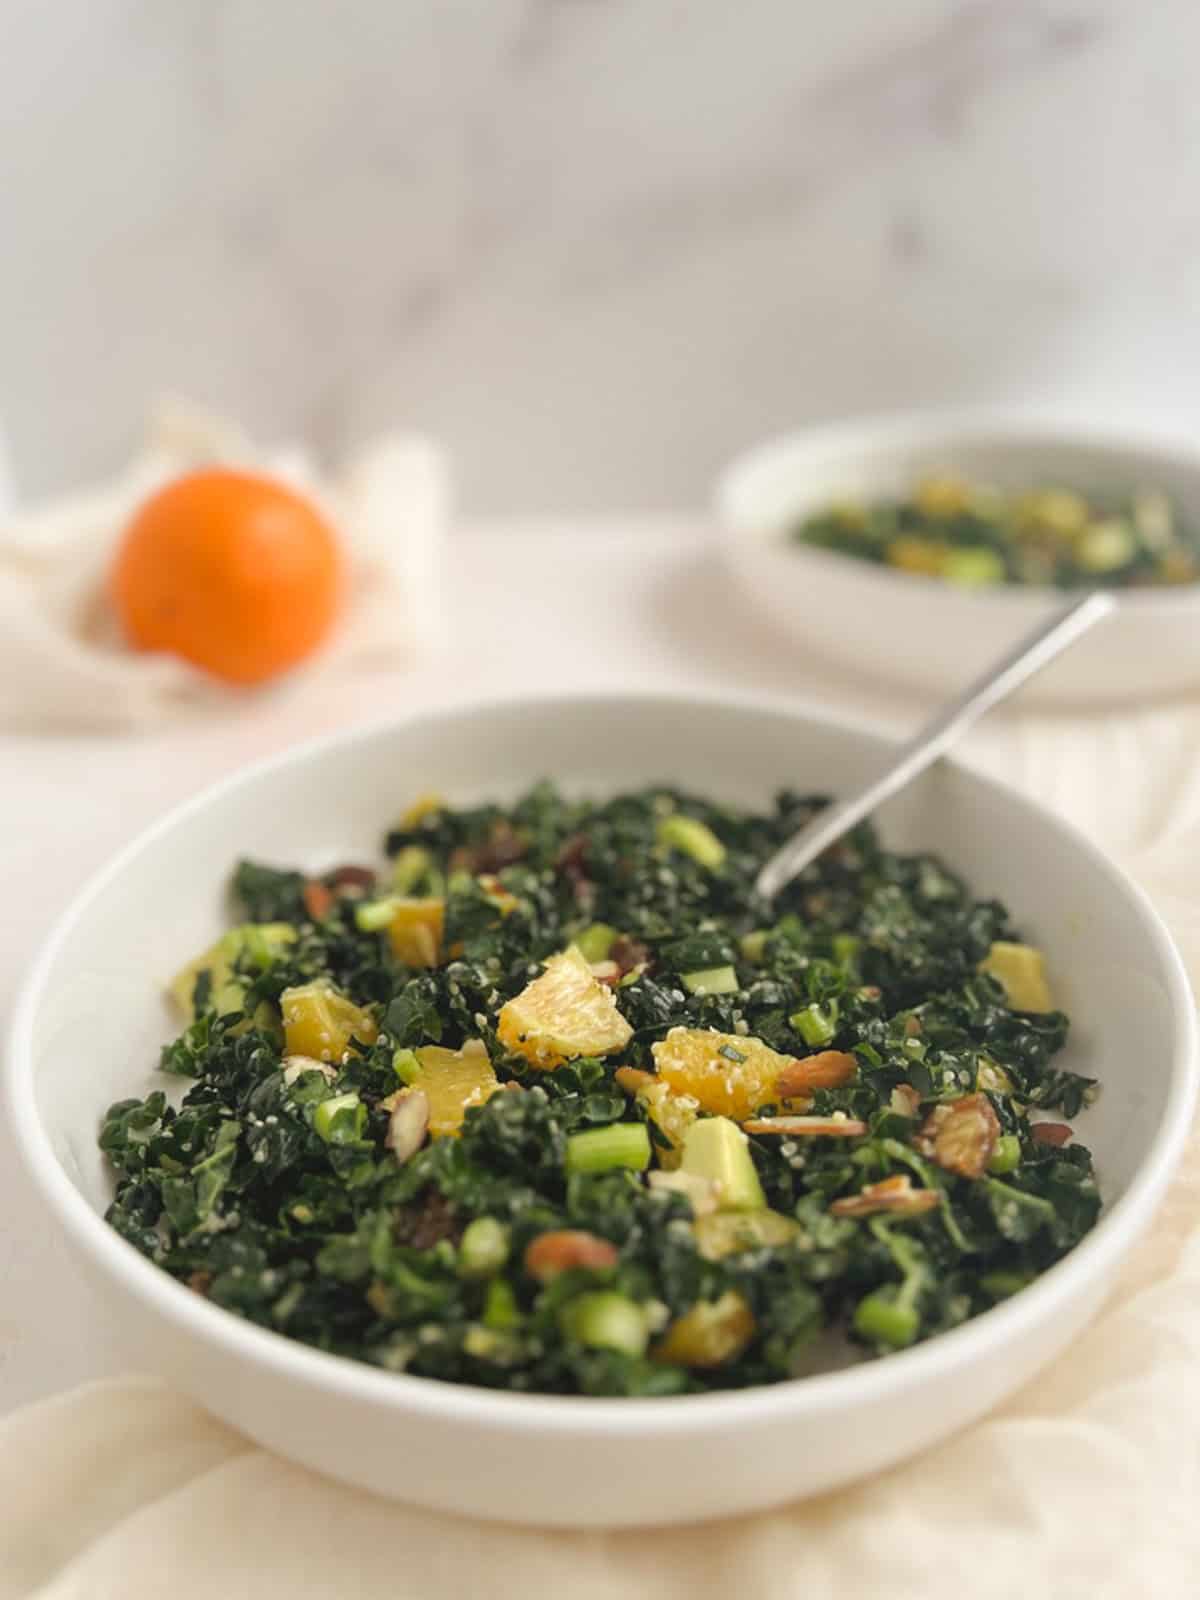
427,1221
351,877
628,953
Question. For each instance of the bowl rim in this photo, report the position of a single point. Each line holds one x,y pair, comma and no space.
499,1411
955,428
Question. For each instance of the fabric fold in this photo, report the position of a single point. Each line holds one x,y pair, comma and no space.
62,665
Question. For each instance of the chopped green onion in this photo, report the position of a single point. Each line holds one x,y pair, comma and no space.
1000,1285
500,1309
693,838
754,945
816,1024
412,866
341,1119
406,1066
623,1144
1007,1155
370,916
605,1320
711,980
1106,546
483,1249
973,568
501,1349
845,948
887,1320
596,941
262,943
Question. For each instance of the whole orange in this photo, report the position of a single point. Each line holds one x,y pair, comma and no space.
232,571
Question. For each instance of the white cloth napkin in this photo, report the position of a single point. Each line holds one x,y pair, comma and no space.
1084,1486
61,661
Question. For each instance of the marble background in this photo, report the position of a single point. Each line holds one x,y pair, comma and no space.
596,245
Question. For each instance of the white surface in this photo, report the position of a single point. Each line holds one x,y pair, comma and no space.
600,603
872,620
544,1459
592,247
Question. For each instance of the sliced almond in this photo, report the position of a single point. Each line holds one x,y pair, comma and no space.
828,1069
833,1127
295,1066
565,1249
409,1123
1051,1133
960,1135
905,1101
894,1195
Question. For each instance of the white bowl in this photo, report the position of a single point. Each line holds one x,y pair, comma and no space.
92,1016
930,635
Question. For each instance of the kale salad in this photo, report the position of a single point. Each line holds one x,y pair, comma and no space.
555,1102
973,535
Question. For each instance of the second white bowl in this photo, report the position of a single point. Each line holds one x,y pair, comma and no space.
927,634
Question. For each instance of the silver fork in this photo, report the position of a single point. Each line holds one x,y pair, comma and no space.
1035,651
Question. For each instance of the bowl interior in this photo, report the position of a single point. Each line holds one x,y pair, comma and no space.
96,1014
773,487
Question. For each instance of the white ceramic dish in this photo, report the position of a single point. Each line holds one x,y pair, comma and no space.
926,634
91,1018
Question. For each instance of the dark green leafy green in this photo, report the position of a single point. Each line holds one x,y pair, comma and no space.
305,1222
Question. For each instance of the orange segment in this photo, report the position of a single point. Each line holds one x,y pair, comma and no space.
415,932
565,1013
729,1075
454,1080
672,1114
319,1021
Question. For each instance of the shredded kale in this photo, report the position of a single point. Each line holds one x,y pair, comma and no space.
271,1187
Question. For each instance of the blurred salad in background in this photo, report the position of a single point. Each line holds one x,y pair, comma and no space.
976,535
